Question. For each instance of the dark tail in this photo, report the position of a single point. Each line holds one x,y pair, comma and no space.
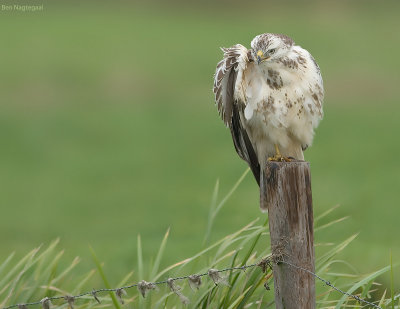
243,145
263,190
255,168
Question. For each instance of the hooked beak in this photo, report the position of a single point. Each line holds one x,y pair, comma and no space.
261,57
260,54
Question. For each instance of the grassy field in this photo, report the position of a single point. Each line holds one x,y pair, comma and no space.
108,127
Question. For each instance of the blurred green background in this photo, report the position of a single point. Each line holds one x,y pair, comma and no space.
108,127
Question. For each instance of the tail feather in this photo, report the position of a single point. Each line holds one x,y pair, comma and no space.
256,170
263,190
242,143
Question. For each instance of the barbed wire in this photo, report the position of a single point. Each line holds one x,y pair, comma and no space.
328,283
194,283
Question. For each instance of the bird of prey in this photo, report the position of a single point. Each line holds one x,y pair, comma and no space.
270,97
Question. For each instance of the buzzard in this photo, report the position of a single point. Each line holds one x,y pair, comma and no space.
270,97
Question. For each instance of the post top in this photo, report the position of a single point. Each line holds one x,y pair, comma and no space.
290,163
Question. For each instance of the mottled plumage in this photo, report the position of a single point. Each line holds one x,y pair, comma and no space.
270,97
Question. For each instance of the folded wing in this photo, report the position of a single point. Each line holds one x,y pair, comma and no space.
229,97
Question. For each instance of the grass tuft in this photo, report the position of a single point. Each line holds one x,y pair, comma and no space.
38,274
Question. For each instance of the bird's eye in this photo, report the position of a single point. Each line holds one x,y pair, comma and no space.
271,51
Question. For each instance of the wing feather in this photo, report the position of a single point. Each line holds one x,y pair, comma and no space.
229,91
225,78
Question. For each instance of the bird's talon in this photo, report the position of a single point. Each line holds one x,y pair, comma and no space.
280,158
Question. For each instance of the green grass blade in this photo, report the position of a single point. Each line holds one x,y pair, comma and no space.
253,286
214,212
140,257
235,186
327,256
18,277
328,264
82,282
230,240
330,223
104,278
140,265
382,299
125,279
16,268
216,244
213,205
159,256
228,293
201,297
43,259
167,269
359,284
208,299
391,280
75,262
324,214
239,299
5,263
46,274
253,245
366,290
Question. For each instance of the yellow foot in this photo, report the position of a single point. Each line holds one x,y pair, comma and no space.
280,158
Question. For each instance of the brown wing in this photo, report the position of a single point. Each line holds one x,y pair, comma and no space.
229,69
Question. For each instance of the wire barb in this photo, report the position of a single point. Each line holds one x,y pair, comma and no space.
194,282
119,292
264,264
177,290
46,303
95,296
214,274
144,287
70,300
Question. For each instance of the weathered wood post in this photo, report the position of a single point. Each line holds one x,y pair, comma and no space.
289,201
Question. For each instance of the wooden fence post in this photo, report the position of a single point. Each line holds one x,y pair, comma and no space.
289,201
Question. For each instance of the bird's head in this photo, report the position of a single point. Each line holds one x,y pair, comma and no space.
268,47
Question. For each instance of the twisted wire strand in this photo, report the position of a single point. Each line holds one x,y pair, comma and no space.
266,261
328,283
